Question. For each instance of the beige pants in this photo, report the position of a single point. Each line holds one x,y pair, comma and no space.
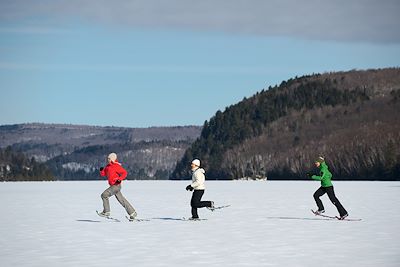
116,190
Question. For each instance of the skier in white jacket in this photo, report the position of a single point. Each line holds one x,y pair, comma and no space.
197,186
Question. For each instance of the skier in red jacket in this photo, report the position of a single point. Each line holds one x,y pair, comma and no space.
115,174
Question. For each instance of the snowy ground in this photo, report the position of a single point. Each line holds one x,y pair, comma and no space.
268,224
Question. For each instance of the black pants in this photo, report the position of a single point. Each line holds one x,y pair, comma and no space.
196,202
331,194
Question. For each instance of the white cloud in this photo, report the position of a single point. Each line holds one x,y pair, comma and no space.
341,20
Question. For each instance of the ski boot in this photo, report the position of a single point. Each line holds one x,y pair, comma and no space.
212,208
104,214
343,217
319,212
132,216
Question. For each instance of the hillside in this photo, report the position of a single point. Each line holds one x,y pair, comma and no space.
352,118
77,151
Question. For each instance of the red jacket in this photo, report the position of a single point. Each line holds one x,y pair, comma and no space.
114,172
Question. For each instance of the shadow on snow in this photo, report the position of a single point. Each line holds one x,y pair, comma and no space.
300,218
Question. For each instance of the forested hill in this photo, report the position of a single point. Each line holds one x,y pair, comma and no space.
351,118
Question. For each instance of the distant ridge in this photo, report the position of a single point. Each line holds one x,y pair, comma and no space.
76,134
75,152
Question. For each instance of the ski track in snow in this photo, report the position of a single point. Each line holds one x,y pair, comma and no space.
268,224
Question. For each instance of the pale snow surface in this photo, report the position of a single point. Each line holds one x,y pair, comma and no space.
268,224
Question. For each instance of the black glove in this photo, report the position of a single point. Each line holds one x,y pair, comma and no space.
189,188
101,169
117,181
309,175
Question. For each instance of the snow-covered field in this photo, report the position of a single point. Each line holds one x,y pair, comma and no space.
268,224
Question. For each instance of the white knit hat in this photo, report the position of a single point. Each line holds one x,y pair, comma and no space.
320,159
196,162
112,156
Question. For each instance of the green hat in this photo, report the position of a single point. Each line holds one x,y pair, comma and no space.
320,160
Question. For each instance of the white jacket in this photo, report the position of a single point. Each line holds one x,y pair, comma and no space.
198,179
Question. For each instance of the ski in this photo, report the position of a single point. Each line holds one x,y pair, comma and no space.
136,219
108,217
193,220
348,219
219,207
334,217
322,215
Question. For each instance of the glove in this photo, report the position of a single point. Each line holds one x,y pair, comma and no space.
101,169
118,181
189,188
309,175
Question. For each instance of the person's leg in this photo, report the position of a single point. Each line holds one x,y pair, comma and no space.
124,202
203,204
195,202
112,190
335,201
317,195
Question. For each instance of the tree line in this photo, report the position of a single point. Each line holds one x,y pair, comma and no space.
15,166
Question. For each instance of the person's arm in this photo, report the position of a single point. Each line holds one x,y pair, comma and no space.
320,178
102,171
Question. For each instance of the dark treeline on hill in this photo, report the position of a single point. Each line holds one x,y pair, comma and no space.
351,118
15,166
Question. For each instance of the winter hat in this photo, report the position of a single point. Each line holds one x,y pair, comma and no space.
112,156
196,162
320,160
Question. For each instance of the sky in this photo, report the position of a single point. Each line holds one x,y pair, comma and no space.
172,63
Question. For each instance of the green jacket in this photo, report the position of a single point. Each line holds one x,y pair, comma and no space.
325,175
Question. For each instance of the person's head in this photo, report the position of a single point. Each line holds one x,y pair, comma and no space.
195,164
112,157
319,161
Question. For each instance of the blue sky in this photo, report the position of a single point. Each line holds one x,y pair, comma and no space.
167,63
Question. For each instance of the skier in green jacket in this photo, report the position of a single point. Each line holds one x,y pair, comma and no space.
326,187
